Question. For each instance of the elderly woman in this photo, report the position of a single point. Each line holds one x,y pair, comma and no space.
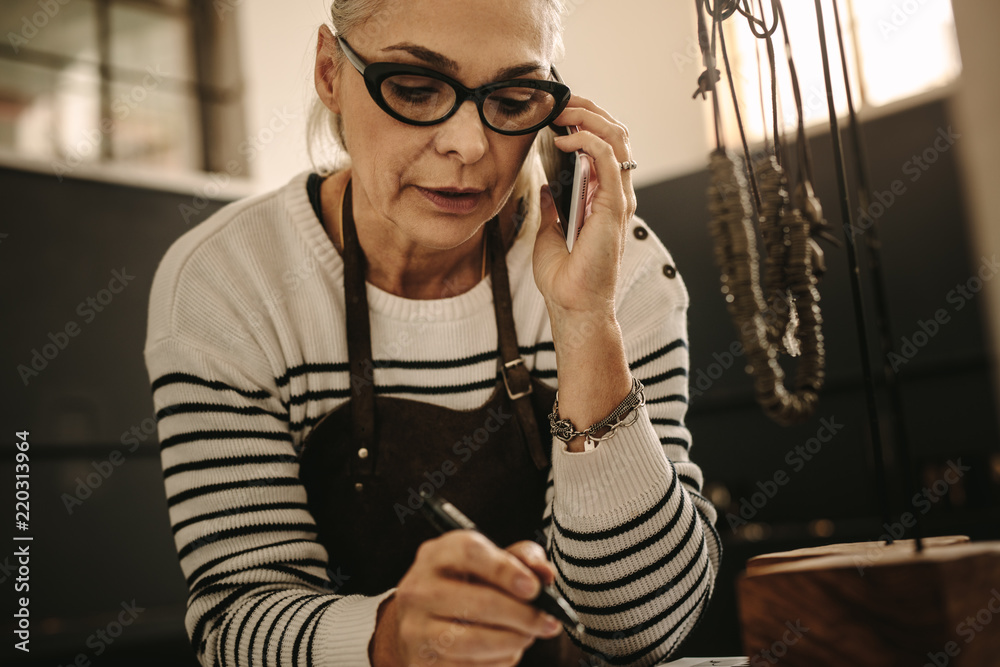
323,354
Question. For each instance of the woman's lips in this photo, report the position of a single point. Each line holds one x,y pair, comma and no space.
453,200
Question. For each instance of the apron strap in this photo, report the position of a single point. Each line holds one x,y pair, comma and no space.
359,347
516,379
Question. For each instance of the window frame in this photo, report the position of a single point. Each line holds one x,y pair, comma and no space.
866,110
216,82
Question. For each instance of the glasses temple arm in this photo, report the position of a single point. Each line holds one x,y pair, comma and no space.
359,64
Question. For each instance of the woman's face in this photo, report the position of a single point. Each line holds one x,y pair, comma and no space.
398,169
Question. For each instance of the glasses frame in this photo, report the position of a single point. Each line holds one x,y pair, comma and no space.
375,73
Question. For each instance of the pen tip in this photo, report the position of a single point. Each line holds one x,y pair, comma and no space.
580,630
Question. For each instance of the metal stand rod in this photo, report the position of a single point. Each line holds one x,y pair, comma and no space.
874,248
855,274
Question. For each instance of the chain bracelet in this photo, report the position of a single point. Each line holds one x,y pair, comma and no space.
627,409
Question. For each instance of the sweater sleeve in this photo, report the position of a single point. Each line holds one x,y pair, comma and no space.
632,539
261,591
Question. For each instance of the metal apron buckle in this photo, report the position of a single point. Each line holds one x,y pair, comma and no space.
506,383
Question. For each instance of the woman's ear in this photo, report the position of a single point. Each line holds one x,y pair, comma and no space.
327,72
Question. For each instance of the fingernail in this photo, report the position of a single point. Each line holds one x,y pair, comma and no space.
552,624
524,586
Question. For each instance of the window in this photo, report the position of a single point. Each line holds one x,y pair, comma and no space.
895,49
906,47
148,83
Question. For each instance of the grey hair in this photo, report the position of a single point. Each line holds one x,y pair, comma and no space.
324,128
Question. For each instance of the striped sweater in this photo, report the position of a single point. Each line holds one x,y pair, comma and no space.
246,350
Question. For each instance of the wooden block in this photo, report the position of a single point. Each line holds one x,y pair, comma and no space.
861,549
865,604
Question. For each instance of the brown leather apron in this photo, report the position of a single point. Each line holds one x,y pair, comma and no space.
365,463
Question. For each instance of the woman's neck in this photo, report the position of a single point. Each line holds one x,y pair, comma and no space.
406,269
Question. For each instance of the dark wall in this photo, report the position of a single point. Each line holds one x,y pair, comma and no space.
114,545
97,510
948,399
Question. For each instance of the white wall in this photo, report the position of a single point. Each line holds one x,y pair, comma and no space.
635,58
278,43
639,60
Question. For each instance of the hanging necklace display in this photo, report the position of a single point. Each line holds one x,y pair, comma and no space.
867,604
783,316
773,204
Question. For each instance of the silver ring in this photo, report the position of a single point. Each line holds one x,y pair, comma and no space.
627,164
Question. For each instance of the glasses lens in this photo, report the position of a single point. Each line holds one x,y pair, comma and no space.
418,98
515,108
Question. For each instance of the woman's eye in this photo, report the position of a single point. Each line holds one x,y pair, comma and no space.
411,93
512,107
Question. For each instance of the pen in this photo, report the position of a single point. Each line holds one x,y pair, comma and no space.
444,517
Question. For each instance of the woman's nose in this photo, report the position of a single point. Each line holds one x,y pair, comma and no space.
464,134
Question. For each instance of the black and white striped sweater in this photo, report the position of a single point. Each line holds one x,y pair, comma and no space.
246,349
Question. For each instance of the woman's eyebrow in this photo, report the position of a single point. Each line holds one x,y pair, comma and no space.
448,66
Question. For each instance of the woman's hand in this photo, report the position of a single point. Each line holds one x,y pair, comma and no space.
464,601
579,287
583,282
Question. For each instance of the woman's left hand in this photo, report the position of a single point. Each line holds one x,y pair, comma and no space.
581,284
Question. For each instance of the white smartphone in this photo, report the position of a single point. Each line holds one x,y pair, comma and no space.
571,188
